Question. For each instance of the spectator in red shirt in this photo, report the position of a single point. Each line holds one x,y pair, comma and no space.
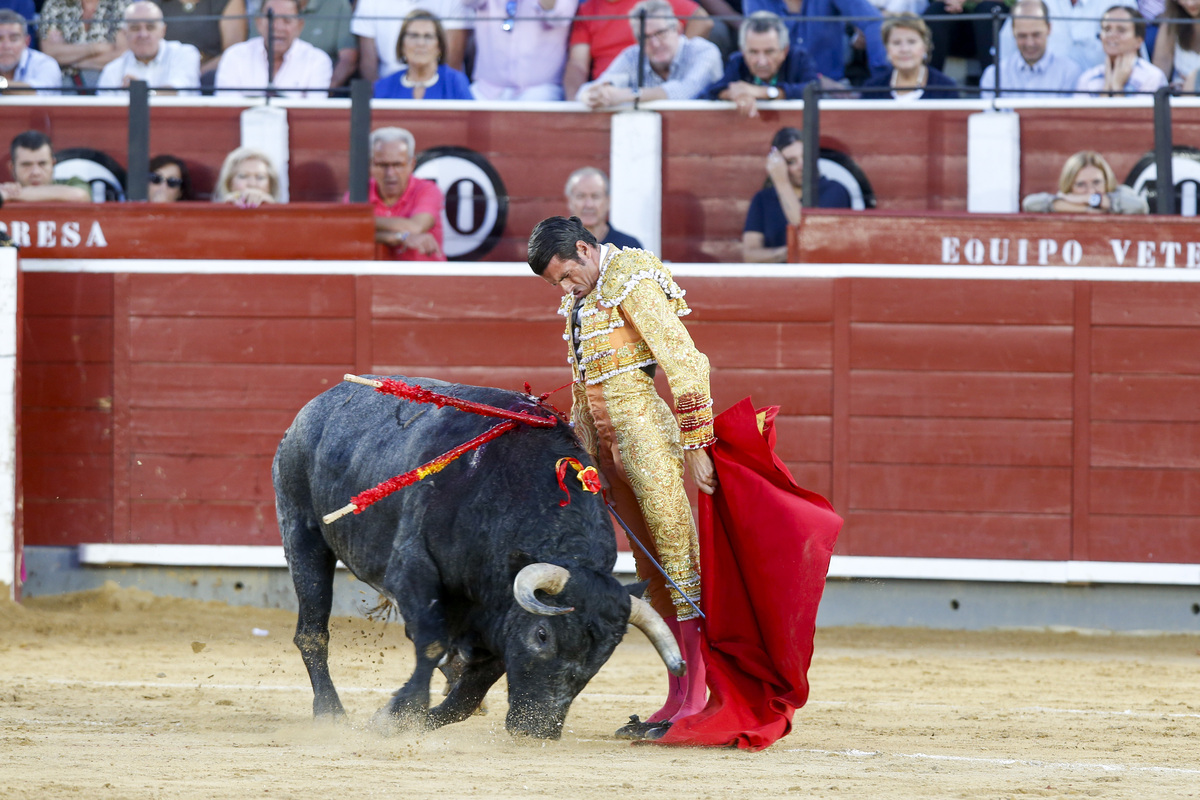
408,210
596,42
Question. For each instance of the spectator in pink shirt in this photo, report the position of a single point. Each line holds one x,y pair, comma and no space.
408,210
520,48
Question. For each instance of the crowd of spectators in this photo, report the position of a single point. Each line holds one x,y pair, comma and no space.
550,50
603,54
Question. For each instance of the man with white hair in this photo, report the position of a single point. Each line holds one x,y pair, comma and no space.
768,66
168,67
279,57
676,67
21,68
408,209
588,198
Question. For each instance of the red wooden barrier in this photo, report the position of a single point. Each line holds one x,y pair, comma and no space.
318,231
1034,240
1023,419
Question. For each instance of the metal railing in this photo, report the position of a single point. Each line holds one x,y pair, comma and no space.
998,19
360,116
1164,145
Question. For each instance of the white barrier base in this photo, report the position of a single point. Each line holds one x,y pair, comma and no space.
8,422
928,569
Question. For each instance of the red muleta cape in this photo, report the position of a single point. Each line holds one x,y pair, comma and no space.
765,545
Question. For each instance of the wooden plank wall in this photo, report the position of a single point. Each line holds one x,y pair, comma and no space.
1145,422
960,429
67,408
945,418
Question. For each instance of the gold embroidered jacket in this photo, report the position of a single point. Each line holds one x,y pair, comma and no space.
631,320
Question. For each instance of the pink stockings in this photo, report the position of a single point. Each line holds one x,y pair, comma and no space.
686,695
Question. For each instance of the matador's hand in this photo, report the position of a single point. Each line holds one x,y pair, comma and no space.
700,465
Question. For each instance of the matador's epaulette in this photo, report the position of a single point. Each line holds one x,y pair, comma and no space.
623,271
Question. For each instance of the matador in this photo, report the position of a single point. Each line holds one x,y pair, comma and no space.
623,312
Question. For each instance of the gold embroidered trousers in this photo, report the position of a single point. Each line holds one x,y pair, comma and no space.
634,438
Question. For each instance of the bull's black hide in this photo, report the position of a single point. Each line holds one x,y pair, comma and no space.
446,551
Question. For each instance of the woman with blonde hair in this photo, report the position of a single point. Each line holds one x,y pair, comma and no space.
908,43
1087,185
248,179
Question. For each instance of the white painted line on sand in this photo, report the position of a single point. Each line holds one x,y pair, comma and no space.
609,697
1004,762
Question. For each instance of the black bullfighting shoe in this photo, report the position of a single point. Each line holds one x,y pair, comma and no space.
636,729
658,731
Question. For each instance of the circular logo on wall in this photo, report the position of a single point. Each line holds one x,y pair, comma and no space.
476,208
1185,172
99,169
841,168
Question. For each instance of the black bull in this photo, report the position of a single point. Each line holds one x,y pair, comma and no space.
481,560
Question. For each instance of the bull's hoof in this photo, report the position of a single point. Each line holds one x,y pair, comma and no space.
328,710
635,728
658,731
385,722
333,717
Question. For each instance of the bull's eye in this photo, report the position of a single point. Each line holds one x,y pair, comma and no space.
541,634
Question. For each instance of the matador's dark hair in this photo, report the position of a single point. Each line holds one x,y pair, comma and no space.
556,236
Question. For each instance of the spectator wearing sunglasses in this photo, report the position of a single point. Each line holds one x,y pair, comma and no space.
169,180
520,48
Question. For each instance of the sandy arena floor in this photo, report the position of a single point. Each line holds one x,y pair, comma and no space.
120,694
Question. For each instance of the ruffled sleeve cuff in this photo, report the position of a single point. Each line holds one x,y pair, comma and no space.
695,421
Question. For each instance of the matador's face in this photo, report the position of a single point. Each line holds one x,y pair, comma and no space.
578,276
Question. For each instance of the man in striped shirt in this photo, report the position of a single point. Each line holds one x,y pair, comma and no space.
675,67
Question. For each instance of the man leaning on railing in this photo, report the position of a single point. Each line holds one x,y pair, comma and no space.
674,67
601,33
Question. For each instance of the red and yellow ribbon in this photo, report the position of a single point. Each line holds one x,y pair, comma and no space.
588,477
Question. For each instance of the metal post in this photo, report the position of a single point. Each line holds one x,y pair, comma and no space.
1163,145
137,155
812,144
996,52
641,54
360,137
270,43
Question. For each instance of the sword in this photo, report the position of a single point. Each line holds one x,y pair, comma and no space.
657,566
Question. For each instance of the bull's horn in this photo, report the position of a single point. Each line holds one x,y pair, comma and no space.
551,579
647,620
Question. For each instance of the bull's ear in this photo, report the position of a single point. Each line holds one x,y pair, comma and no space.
637,589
